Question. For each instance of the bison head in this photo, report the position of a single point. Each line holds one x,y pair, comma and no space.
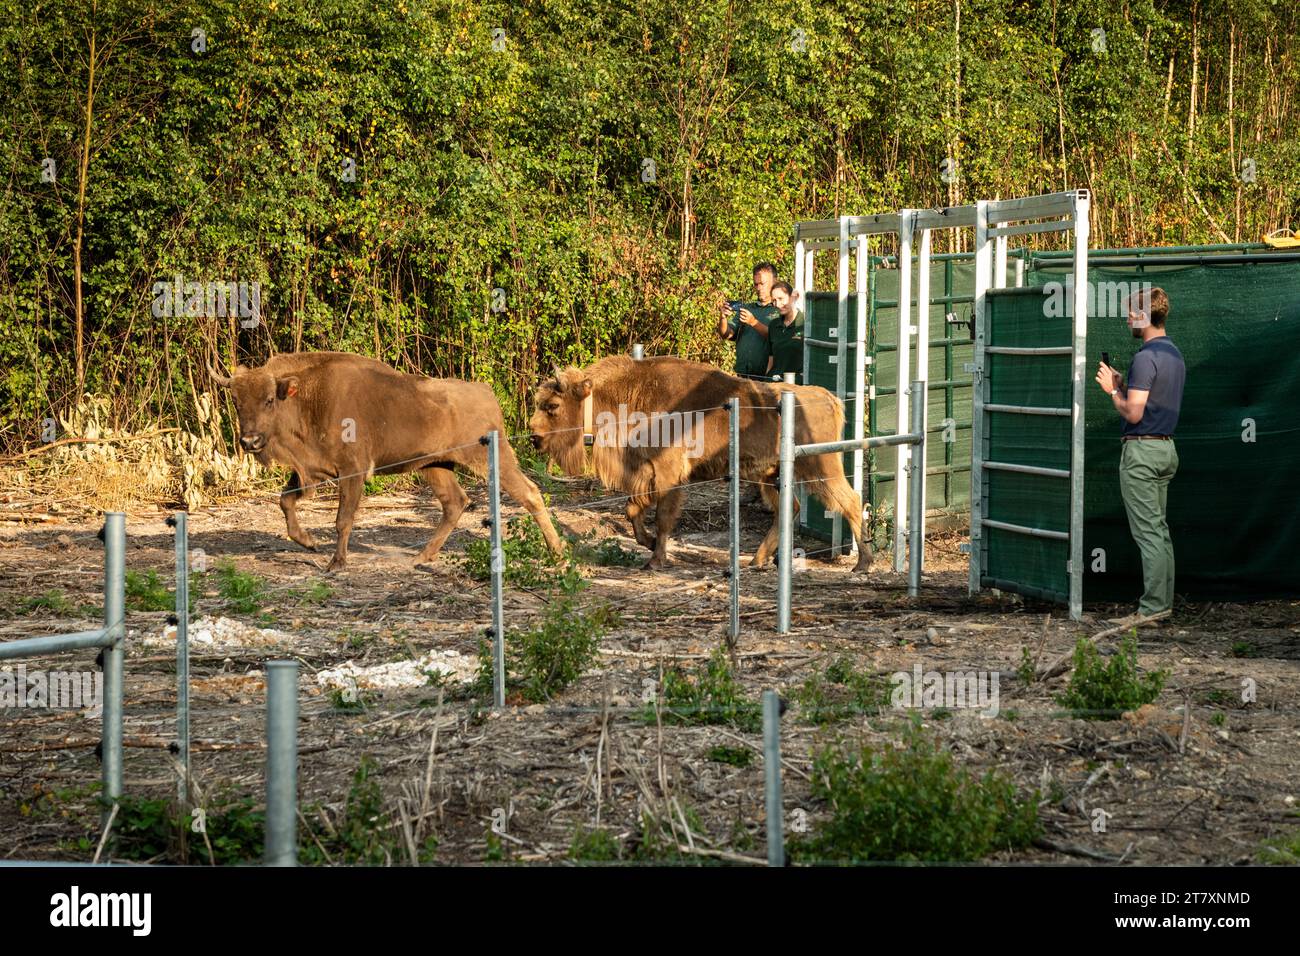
259,399
556,426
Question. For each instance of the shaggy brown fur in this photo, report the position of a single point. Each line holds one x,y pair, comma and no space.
652,475
332,415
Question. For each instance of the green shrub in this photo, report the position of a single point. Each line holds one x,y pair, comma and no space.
145,592
1100,691
607,552
526,563
711,695
912,803
543,661
242,590
363,834
595,846
1283,850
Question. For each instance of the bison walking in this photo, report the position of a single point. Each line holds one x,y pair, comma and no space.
336,416
657,424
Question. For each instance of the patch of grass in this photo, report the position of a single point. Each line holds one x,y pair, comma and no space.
145,592
711,695
526,561
242,590
1281,850
545,660
595,846
839,692
735,756
316,592
362,833
912,803
54,601
1242,649
657,842
150,829
1219,718
381,483
1100,691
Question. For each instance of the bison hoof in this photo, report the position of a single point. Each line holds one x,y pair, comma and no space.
336,564
306,540
657,563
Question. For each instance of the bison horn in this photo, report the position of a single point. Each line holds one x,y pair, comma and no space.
225,381
559,382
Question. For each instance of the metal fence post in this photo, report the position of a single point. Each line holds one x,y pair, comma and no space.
114,653
638,352
733,408
282,763
785,515
772,778
916,494
498,562
180,520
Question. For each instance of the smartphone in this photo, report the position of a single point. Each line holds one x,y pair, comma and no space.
1105,358
735,306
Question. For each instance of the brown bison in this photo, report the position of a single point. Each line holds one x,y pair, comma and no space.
342,417
657,424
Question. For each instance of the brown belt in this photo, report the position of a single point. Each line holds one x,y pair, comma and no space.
1147,438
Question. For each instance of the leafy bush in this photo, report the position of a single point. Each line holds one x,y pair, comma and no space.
711,695
242,590
526,560
545,660
145,592
912,803
1101,691
362,835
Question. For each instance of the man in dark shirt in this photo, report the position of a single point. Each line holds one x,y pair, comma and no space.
747,327
785,335
1149,403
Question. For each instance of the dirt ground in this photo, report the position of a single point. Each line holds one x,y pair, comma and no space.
1198,777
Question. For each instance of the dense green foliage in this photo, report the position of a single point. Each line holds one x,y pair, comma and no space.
912,802
1104,691
519,164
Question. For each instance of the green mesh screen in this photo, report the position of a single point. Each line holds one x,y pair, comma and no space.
952,290
1232,512
822,324
1013,560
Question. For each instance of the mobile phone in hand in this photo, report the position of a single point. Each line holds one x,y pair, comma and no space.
1105,359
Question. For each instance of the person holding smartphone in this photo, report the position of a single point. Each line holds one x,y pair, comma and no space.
746,324
1149,402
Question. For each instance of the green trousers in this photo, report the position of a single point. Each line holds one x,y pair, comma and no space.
1145,470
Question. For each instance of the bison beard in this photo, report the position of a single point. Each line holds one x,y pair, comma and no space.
653,475
332,415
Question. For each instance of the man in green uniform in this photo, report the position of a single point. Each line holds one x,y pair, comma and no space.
1149,403
747,326
785,335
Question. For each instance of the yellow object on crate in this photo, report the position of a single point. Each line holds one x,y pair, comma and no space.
1282,239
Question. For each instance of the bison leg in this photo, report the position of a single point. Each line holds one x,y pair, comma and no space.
667,510
837,494
453,500
636,514
289,505
349,497
771,498
518,487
